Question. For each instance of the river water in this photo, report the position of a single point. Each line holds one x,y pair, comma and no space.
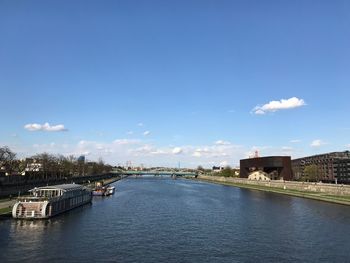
155,219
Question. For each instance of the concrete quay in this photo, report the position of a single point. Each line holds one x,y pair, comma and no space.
333,193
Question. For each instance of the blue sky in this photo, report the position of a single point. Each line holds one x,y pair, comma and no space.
163,82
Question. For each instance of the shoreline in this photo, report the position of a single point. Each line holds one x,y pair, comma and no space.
6,204
337,199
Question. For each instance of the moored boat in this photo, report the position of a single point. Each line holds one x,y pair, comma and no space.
110,190
99,189
49,201
99,192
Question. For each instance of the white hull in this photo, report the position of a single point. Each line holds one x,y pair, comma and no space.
110,190
45,207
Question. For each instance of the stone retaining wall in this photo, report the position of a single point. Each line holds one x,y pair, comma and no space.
332,189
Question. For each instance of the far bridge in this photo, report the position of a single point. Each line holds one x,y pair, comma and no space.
157,173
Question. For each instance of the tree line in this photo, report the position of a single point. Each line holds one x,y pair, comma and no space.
226,171
311,174
51,165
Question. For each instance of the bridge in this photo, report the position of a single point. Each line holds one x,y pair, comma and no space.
156,173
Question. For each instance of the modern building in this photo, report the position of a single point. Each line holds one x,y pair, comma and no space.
81,159
217,169
342,171
331,167
33,165
274,167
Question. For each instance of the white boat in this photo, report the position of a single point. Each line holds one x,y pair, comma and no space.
110,190
52,200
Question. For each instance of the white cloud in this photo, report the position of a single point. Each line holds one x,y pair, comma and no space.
130,133
203,150
122,150
177,150
224,163
82,142
260,151
216,151
33,127
100,147
221,142
53,148
44,127
282,104
317,143
146,133
158,151
142,150
197,154
125,141
295,141
287,149
259,112
140,124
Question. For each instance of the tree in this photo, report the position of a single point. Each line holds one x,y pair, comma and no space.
200,168
7,159
311,173
227,172
65,166
49,164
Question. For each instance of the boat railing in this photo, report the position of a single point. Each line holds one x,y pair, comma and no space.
32,213
38,199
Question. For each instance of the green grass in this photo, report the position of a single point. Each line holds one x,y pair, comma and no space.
6,210
345,200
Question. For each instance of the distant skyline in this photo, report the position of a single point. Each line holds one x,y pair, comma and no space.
163,83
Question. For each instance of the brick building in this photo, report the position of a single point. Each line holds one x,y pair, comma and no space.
276,167
332,167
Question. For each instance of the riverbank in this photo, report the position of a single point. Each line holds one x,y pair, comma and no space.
6,204
328,193
23,184
104,182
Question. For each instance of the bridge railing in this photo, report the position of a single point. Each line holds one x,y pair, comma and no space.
155,173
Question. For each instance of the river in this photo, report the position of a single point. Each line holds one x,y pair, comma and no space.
158,219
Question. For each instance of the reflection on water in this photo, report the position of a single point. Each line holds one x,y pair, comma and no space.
34,227
29,232
160,219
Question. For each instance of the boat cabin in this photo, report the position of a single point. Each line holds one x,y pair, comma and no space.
68,190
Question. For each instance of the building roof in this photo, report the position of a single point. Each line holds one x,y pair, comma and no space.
64,187
268,157
344,154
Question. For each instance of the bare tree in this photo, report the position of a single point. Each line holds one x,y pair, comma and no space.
7,159
49,164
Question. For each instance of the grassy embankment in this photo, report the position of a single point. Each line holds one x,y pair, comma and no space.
344,200
6,210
